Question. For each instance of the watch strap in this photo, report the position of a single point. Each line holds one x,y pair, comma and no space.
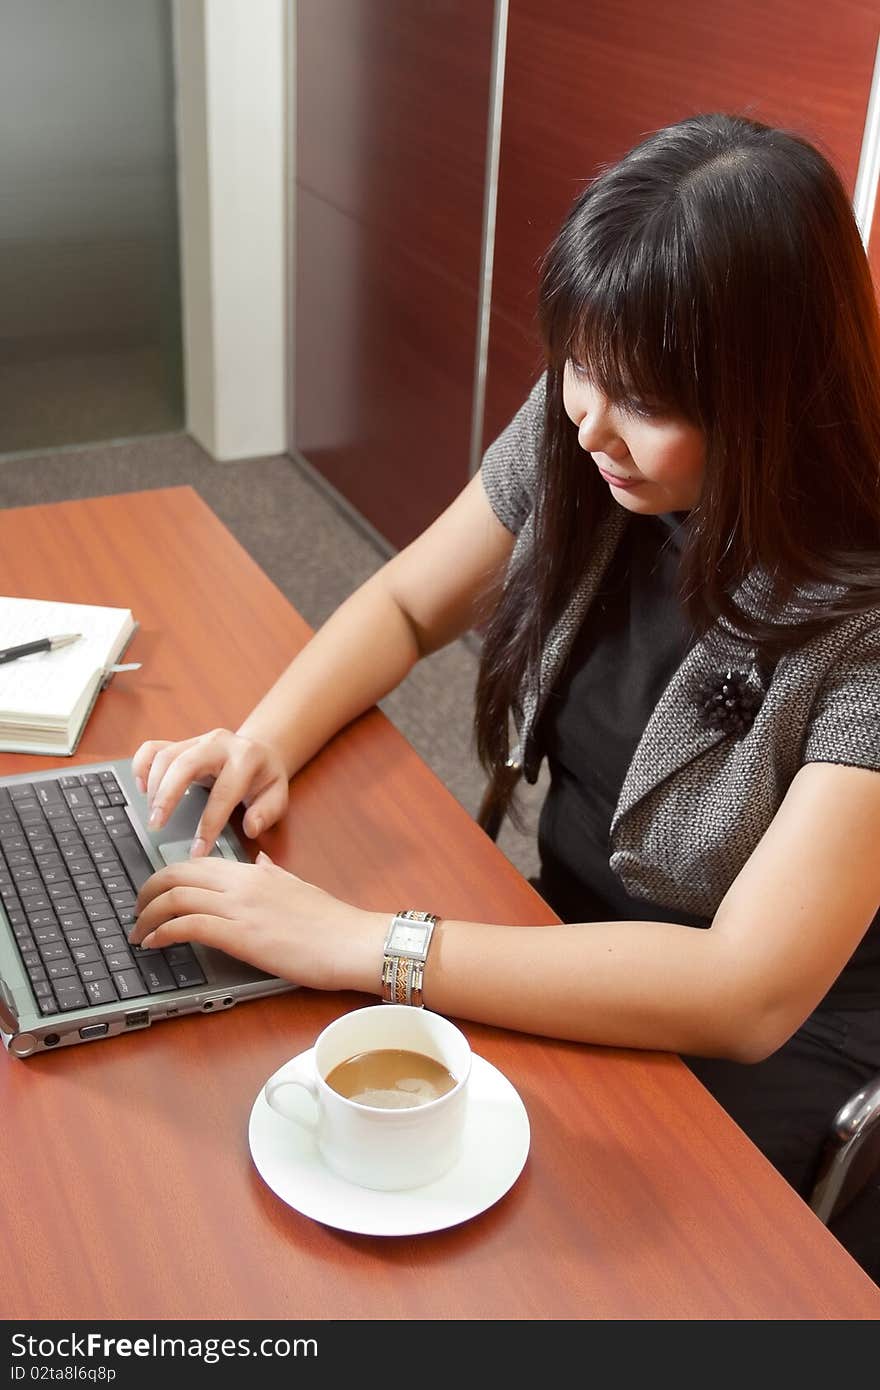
403,975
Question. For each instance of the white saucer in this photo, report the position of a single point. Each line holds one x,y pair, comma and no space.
496,1145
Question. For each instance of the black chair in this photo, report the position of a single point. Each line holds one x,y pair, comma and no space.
851,1156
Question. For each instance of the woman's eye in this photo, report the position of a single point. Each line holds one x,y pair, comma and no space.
643,410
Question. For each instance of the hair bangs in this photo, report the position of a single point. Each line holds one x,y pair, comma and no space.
622,311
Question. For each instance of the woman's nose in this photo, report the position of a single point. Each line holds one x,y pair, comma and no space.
595,427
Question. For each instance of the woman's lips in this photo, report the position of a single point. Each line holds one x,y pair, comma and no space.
619,482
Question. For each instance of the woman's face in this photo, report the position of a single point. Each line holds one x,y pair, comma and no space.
652,462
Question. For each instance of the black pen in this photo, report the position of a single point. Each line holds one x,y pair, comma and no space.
43,644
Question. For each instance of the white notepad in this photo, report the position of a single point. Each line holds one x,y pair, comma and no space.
46,698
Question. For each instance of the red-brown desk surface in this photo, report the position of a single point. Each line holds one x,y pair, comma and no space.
127,1186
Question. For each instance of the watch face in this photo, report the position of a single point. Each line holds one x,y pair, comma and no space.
409,936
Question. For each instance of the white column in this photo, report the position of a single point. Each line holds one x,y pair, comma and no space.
865,195
231,80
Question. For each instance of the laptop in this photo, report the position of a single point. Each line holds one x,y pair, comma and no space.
74,850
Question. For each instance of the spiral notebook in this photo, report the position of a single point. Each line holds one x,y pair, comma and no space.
46,698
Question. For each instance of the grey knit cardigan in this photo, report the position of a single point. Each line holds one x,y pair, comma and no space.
695,802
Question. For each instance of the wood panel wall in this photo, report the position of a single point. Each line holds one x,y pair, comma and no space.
392,103
584,82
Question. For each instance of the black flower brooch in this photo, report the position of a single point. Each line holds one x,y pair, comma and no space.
727,703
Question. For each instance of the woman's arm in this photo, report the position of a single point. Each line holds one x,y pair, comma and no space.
782,934
425,596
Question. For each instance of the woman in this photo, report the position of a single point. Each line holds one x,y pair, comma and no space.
677,544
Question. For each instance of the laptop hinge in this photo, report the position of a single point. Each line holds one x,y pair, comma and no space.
8,1011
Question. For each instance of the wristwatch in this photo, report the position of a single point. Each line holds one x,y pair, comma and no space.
404,955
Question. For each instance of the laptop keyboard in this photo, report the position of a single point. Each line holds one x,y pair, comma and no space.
70,869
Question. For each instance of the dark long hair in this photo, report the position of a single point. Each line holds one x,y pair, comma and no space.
718,269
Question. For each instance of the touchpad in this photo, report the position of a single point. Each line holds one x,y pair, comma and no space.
177,850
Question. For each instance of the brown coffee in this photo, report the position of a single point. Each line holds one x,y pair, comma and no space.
390,1078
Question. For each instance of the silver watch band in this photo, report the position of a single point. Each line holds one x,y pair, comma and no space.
403,973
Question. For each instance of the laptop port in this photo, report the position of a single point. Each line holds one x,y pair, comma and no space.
138,1018
94,1030
52,1040
224,1001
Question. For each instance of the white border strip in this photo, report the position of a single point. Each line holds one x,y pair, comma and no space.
490,205
867,178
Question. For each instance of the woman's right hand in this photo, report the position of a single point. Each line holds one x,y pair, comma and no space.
237,769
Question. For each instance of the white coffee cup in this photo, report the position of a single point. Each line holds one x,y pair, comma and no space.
389,1150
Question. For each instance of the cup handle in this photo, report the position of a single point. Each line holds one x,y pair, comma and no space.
297,1074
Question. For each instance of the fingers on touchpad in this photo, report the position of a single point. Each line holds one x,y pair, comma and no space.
176,850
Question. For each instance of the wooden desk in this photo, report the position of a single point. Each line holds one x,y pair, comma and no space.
127,1186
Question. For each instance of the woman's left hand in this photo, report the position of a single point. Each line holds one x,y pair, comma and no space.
265,916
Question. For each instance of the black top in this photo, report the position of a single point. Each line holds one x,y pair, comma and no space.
621,661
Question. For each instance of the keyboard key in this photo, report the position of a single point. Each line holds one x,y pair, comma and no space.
60,969
101,991
129,984
68,839
156,973
55,950
79,938
44,935
119,960
86,955
56,877
111,945
77,860
77,797
137,865
48,793
72,1000
112,869
47,1004
98,971
102,912
41,920
43,990
32,895
188,973
72,921
86,881
181,954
